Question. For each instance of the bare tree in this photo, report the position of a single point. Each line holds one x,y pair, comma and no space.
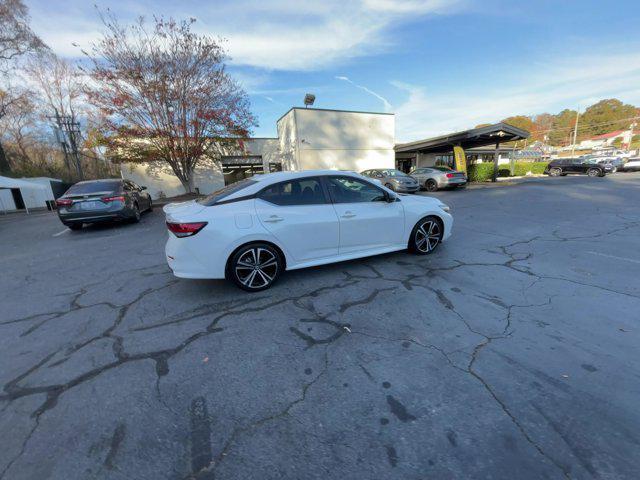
16,38
60,87
165,93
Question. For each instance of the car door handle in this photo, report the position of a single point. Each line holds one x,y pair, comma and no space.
274,219
348,215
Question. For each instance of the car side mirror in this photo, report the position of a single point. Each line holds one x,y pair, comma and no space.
389,197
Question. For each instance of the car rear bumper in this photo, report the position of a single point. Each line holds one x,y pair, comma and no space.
185,262
454,182
95,216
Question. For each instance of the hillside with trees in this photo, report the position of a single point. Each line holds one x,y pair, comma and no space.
601,117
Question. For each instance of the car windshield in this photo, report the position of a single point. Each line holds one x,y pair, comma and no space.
395,173
225,192
84,188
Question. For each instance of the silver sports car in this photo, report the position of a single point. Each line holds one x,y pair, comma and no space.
394,179
433,178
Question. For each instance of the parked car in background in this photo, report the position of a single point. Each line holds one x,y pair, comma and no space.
102,200
433,178
393,179
631,165
564,166
614,163
251,231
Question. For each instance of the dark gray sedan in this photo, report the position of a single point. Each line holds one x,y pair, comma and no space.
393,179
102,200
433,178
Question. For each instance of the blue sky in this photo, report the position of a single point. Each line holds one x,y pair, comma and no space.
438,65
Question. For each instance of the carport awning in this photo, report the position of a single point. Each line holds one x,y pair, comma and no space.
7,182
477,137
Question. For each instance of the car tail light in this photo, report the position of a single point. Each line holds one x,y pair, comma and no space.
450,175
185,229
64,202
118,198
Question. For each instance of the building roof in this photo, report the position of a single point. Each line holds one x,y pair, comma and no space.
330,110
476,137
604,136
7,182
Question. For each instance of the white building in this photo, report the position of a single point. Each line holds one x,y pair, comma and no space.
312,139
24,194
308,139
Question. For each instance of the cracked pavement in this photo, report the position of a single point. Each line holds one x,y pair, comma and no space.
512,352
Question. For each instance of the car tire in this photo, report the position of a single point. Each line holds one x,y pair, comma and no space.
74,226
431,185
594,172
150,209
136,213
426,235
555,172
255,267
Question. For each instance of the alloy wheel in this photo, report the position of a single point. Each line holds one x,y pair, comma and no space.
427,236
256,268
431,186
593,172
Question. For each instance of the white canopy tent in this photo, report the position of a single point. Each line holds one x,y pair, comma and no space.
33,195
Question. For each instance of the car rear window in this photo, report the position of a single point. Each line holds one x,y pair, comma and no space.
225,192
93,187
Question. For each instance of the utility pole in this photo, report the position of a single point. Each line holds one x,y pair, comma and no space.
69,134
631,127
575,134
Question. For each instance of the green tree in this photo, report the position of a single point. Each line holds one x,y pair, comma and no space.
562,127
520,121
606,116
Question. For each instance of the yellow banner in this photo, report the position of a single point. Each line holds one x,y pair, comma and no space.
459,159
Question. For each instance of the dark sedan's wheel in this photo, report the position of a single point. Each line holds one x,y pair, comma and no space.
255,267
150,209
593,172
136,214
555,172
431,185
426,235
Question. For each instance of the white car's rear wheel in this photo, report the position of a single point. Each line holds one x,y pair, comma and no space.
255,267
426,235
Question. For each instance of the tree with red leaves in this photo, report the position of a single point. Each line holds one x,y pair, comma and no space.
165,94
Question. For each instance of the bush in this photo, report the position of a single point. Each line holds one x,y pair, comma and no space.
482,172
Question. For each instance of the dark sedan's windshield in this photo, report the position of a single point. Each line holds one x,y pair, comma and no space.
225,192
84,188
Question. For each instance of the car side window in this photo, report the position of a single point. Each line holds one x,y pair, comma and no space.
306,191
352,190
377,174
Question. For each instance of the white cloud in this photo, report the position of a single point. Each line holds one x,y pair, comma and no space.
387,106
270,34
565,83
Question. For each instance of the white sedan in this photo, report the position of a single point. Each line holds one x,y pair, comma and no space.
253,230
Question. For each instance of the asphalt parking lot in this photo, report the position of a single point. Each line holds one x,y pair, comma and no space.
512,352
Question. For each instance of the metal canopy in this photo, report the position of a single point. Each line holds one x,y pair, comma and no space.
477,137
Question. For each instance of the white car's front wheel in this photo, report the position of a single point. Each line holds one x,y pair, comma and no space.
426,235
255,266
